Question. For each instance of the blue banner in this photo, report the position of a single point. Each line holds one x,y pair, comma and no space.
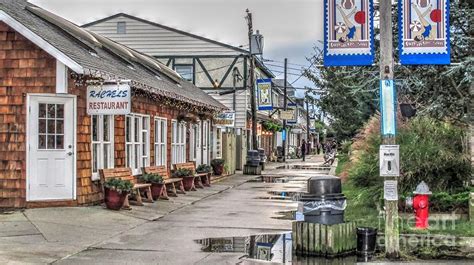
348,32
388,108
264,94
424,31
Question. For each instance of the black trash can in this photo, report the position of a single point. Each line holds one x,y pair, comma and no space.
253,158
366,241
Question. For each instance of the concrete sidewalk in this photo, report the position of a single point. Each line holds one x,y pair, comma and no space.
158,233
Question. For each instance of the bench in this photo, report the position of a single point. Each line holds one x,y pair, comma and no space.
199,178
126,174
170,183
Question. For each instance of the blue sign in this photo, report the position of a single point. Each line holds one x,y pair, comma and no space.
424,32
264,94
283,135
348,32
388,109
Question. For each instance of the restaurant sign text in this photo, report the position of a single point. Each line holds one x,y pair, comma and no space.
110,99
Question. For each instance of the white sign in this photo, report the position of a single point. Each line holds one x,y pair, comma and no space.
390,190
287,114
109,99
389,158
387,107
225,119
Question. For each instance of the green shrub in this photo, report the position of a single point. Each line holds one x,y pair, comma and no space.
151,178
204,169
121,186
445,202
430,151
217,162
182,172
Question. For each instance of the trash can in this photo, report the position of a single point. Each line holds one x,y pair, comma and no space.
253,158
263,157
324,203
366,240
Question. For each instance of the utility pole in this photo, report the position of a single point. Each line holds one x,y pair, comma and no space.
392,244
253,103
308,127
285,107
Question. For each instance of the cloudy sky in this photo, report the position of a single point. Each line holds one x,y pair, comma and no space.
291,27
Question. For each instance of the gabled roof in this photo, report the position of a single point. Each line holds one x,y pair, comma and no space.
91,54
165,27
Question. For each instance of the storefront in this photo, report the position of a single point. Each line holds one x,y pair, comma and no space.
55,134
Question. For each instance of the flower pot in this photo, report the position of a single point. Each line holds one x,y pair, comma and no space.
114,199
407,110
188,183
218,170
156,190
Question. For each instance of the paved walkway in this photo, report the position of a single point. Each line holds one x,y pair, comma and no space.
158,233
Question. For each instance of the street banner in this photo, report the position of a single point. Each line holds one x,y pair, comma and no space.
348,32
110,99
294,119
225,119
264,94
424,31
388,109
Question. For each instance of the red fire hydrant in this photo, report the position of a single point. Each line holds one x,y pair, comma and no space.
421,205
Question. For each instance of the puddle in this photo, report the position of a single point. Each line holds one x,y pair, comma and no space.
285,215
275,248
271,179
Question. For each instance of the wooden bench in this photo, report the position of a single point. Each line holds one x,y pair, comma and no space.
173,184
126,174
199,178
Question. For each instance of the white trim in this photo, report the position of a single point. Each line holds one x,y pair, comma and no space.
46,46
164,141
74,141
61,78
95,175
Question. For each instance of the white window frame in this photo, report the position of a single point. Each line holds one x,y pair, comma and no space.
138,146
161,148
178,142
195,141
100,143
122,27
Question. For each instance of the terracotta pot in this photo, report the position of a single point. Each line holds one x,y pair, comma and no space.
113,199
156,190
188,183
218,170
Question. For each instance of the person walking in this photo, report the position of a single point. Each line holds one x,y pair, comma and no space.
303,149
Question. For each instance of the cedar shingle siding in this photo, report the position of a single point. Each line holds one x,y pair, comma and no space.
25,68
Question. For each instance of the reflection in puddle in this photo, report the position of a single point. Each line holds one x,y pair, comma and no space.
268,247
271,179
305,167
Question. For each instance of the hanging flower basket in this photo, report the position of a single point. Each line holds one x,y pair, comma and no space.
408,110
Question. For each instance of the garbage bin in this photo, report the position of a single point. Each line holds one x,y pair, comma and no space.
263,157
253,158
366,240
324,203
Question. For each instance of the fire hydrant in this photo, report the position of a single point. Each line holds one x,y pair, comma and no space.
421,205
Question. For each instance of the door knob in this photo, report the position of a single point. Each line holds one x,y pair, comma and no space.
70,153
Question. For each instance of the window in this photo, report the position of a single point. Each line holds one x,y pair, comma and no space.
161,133
186,72
102,143
137,148
50,126
121,27
178,142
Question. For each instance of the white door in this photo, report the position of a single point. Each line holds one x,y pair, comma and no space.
197,142
51,161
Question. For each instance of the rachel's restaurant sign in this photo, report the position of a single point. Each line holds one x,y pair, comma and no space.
225,119
109,99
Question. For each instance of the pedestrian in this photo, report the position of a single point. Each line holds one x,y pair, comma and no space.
303,149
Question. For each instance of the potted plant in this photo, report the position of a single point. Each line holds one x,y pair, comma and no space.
207,169
187,176
218,166
116,190
157,184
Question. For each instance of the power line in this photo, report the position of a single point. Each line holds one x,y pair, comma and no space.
274,61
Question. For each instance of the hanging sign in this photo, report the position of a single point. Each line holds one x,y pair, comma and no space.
293,120
389,160
424,31
348,32
388,108
225,119
110,99
264,94
287,114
